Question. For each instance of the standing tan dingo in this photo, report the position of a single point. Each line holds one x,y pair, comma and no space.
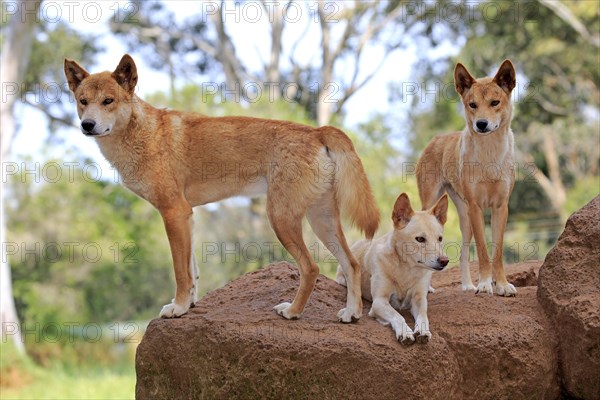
476,168
178,160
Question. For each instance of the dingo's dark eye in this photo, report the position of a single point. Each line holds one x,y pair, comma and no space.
420,239
83,102
472,105
440,239
107,101
495,103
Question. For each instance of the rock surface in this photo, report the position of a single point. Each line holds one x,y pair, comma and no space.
569,292
232,345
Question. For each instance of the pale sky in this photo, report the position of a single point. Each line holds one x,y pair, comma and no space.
252,42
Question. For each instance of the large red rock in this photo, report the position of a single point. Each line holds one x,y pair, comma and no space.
569,292
232,345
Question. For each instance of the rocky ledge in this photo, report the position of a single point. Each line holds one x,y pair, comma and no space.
544,343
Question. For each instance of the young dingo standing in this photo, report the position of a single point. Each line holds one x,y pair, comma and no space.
397,267
476,168
178,160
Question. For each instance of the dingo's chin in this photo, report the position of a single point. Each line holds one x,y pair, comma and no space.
90,127
431,265
94,134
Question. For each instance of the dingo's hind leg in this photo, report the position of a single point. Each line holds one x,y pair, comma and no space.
324,218
467,235
287,224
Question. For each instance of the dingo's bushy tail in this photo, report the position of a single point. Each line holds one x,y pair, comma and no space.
352,190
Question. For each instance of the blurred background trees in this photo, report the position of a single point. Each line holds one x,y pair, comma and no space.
554,46
13,61
29,48
202,43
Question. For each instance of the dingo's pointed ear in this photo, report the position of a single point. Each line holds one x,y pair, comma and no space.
440,209
402,211
75,73
126,73
462,79
506,76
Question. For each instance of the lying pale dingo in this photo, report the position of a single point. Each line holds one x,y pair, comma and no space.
397,267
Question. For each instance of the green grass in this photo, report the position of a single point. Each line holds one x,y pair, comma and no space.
54,377
56,384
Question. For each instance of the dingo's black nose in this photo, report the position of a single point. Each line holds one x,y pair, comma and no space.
482,124
88,125
443,260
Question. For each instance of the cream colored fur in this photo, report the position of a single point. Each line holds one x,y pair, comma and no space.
397,267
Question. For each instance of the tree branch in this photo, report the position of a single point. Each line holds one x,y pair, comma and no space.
551,107
295,45
354,87
553,167
272,71
564,13
372,31
53,118
232,66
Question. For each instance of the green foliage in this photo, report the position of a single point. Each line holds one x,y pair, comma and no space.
426,125
54,43
203,100
84,248
584,191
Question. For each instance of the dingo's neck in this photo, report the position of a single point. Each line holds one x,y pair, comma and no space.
124,148
496,147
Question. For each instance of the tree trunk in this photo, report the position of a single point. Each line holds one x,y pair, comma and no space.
226,54
551,184
273,72
13,63
324,111
559,193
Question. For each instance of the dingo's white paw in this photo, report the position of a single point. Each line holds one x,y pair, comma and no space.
431,289
468,287
405,335
485,286
423,337
406,339
283,309
347,315
507,290
173,310
421,331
